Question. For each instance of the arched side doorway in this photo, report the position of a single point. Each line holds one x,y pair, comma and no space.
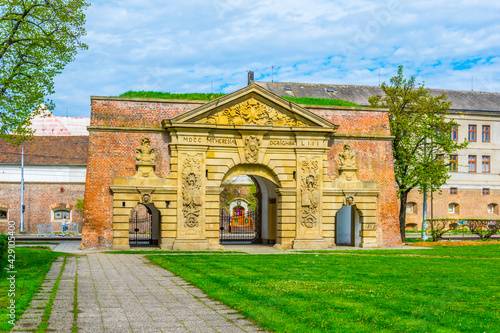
144,225
348,227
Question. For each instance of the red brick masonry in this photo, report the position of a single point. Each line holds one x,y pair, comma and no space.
112,154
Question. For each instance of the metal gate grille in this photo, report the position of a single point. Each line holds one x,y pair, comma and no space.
239,229
140,232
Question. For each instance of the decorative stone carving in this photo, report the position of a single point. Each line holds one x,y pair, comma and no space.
145,153
251,112
347,164
146,198
309,191
252,144
145,159
346,157
191,190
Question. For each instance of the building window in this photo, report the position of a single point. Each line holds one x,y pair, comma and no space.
61,214
411,208
472,163
486,164
486,133
453,190
3,214
453,208
472,133
440,158
486,191
493,208
454,133
453,162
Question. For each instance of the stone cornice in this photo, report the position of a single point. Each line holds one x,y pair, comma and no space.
125,129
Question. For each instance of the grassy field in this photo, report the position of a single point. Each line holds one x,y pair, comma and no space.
446,289
31,265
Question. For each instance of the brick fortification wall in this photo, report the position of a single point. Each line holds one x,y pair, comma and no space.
112,154
374,161
38,199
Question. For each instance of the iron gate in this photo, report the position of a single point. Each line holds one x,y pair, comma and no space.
140,232
239,229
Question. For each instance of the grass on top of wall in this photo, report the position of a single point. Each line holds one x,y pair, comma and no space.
319,101
211,97
167,95
441,290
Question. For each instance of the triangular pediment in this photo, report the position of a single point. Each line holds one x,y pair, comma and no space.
253,106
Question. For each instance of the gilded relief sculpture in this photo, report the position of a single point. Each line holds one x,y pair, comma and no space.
252,144
191,190
310,192
252,112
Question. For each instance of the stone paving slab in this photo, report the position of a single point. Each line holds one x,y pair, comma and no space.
32,317
135,296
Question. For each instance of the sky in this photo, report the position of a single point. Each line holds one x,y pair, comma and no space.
209,46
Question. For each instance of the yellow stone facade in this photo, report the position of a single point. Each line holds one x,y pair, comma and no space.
256,133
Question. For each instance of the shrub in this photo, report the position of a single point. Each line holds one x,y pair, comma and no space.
483,228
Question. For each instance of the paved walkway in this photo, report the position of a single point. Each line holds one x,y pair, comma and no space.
124,293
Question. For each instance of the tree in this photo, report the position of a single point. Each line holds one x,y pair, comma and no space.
38,38
422,143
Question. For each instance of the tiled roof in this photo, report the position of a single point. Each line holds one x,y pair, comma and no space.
47,150
461,100
47,124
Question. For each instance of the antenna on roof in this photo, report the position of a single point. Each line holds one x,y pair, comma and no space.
472,82
272,73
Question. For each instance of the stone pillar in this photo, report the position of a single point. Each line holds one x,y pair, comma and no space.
287,216
191,210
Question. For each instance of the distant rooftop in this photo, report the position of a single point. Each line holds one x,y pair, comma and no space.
47,150
46,124
461,100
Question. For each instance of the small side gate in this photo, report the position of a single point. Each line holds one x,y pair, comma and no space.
244,229
140,232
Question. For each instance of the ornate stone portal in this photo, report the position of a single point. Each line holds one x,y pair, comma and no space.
250,132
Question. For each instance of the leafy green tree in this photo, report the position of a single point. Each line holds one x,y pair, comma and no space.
38,38
422,143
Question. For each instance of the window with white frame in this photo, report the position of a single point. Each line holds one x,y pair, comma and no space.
453,208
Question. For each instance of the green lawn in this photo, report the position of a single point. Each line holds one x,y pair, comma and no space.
32,265
428,290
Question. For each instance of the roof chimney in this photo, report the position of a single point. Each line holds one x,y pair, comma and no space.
250,78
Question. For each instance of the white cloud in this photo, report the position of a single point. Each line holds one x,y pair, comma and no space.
199,46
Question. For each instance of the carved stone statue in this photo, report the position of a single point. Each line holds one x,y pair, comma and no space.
252,144
145,153
347,157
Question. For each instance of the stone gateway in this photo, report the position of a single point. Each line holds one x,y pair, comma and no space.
325,172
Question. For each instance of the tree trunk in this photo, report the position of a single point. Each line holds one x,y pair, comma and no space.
402,215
